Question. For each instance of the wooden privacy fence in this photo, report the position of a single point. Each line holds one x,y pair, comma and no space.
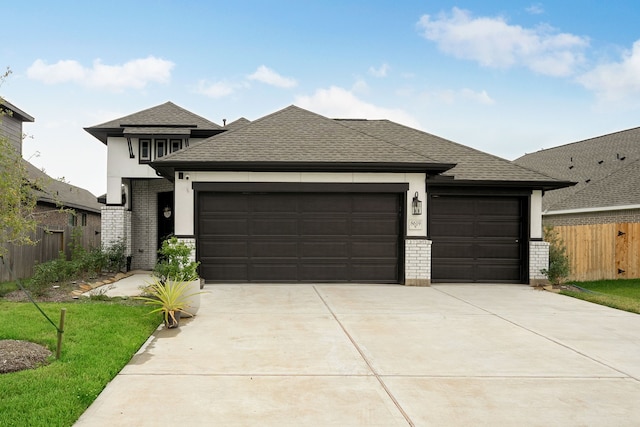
602,251
21,259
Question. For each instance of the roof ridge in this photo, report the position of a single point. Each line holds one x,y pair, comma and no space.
581,141
510,162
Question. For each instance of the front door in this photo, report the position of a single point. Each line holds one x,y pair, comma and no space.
165,216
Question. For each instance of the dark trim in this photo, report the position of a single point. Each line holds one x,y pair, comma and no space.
530,185
185,236
168,167
475,190
300,187
416,237
536,239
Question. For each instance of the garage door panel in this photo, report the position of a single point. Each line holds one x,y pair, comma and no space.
364,273
272,203
453,250
273,249
375,249
320,249
225,203
374,226
507,229
330,203
498,251
225,226
325,272
325,226
221,248
274,227
300,237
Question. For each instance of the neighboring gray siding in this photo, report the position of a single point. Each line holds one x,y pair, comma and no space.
605,217
11,128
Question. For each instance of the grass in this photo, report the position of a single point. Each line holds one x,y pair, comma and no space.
99,340
620,294
6,287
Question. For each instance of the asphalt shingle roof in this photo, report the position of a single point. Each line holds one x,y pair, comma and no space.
471,164
296,135
602,167
167,115
54,191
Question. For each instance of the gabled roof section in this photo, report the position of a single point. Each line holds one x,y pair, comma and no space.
597,165
471,165
15,112
164,116
55,192
297,139
236,124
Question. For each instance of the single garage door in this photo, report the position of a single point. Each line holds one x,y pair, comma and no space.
477,239
299,237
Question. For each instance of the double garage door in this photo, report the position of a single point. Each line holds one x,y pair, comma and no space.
299,237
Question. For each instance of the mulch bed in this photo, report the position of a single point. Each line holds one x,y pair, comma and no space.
18,355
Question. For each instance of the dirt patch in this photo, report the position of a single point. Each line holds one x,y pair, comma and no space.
57,292
18,355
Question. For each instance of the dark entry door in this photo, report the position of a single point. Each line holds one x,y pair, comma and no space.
299,237
165,216
477,239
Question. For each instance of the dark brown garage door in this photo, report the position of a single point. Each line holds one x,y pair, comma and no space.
299,237
477,239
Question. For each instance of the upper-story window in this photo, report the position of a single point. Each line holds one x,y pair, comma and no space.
151,149
161,147
176,144
145,150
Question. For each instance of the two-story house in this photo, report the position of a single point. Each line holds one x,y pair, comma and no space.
298,197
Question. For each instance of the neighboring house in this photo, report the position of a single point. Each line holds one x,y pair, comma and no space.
598,218
298,197
60,208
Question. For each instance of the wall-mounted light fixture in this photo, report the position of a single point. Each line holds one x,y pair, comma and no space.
166,212
416,205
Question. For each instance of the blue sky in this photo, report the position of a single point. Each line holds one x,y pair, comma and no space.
507,77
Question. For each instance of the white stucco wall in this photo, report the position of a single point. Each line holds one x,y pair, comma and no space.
184,194
535,219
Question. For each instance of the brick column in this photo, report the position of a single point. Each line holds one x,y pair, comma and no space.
115,223
538,260
417,262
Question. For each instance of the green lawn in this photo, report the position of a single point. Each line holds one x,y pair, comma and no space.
620,294
99,339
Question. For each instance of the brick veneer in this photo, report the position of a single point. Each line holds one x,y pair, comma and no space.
538,260
417,262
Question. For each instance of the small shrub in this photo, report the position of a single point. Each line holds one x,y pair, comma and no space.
114,256
174,262
559,268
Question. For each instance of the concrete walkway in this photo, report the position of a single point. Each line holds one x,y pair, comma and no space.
368,355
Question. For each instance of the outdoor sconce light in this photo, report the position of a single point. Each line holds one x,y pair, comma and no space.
166,212
416,205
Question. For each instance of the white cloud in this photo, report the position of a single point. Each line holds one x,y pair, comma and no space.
337,102
379,72
451,96
617,80
492,42
134,74
266,75
535,9
218,89
360,86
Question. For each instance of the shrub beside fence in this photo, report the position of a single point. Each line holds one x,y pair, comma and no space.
50,242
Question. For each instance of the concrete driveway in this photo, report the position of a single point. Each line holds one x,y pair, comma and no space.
377,355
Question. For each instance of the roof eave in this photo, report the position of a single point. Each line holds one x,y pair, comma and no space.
534,185
168,168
